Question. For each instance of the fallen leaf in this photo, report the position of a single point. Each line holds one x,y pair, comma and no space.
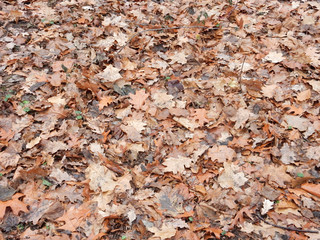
177,164
163,100
110,74
288,155
221,153
305,95
276,175
269,90
267,206
300,123
167,230
138,99
313,153
312,188
15,204
74,216
231,177
274,57
105,101
9,157
178,57
61,176
315,85
199,116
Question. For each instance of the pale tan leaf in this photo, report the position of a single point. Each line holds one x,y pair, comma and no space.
177,164
274,57
110,74
305,95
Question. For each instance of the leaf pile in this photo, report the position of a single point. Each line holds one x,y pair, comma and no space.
112,130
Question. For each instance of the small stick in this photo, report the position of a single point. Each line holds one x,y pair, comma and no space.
285,228
240,75
160,29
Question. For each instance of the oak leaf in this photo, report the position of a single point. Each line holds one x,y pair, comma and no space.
6,135
167,230
104,102
163,100
177,164
56,79
221,153
138,99
200,116
274,57
178,57
9,157
15,204
64,65
232,177
74,217
315,85
305,95
110,74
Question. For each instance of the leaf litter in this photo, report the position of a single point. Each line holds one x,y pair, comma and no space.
159,119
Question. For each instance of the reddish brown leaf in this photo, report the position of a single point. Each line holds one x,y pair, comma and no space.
15,204
314,189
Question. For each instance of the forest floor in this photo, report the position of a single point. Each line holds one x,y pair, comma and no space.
159,119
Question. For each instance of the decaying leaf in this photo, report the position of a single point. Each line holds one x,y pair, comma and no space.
221,153
158,119
177,164
231,177
274,57
15,204
110,74
138,98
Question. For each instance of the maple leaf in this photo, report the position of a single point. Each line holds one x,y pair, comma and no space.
138,98
15,204
104,102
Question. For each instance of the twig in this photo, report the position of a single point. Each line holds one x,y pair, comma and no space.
160,29
240,74
282,227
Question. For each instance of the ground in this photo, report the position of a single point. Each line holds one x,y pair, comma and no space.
159,119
